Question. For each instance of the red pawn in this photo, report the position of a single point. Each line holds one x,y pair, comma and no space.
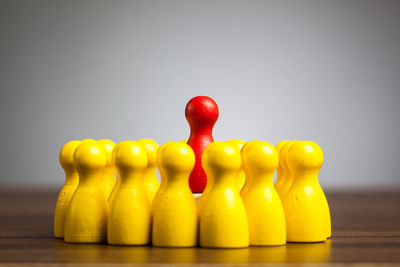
201,113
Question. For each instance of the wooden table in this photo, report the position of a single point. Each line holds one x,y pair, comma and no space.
366,229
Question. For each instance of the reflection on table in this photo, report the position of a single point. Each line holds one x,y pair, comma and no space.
291,252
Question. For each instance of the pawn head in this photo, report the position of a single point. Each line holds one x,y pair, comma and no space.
283,152
221,156
175,157
89,156
66,156
108,147
238,143
280,145
201,111
260,156
129,155
151,148
278,148
305,155
246,146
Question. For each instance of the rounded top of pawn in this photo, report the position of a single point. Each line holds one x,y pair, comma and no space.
236,142
305,155
175,156
129,155
151,148
247,145
284,151
90,155
201,111
66,156
260,156
278,148
108,147
280,145
221,156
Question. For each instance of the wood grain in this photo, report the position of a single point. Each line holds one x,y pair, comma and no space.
366,231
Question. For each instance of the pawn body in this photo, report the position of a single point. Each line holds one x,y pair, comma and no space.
281,172
328,223
71,183
305,204
285,174
129,221
223,219
175,221
117,182
247,182
115,189
267,226
240,176
150,180
108,175
86,219
116,186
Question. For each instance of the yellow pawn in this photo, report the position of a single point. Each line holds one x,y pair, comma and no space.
287,178
247,182
129,220
150,180
118,181
108,176
71,182
209,181
175,216
281,172
86,219
223,219
265,214
305,203
241,176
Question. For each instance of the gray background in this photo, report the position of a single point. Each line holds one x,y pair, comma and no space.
328,71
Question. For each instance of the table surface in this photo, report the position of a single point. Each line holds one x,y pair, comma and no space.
366,230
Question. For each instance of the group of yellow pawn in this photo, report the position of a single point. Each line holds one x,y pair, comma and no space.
240,205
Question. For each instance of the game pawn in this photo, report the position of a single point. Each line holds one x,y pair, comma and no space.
129,220
281,171
71,183
241,176
223,219
86,218
265,213
285,178
108,176
201,113
150,180
247,182
305,205
175,221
